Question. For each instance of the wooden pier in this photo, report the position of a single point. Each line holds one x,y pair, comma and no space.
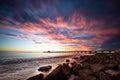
84,51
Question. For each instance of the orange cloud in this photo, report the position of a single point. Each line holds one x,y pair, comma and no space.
76,23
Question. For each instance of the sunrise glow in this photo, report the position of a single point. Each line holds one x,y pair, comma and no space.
58,25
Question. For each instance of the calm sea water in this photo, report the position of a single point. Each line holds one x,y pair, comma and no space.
13,55
14,66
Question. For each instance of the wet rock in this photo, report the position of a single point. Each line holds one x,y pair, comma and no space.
57,74
84,76
67,60
85,66
119,67
85,71
74,77
45,68
73,63
117,77
106,61
97,67
89,77
92,59
112,72
102,76
112,66
66,69
75,58
37,77
75,68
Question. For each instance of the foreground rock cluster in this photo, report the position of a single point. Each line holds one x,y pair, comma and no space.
93,67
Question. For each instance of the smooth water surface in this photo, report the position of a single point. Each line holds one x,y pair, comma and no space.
14,66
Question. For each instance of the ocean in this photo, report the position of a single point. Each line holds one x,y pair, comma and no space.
20,66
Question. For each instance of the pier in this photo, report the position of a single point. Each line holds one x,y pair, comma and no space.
84,51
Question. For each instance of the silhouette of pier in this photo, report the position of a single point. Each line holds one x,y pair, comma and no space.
84,51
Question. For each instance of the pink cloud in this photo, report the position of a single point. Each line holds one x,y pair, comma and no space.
75,21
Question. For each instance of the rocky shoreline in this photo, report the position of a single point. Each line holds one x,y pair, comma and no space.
101,66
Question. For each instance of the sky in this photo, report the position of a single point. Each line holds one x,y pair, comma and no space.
56,25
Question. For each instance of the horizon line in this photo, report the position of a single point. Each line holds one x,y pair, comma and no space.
60,51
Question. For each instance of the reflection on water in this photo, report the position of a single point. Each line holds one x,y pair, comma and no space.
11,55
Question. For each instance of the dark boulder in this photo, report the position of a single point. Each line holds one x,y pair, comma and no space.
57,74
66,69
85,71
97,67
103,76
75,68
85,76
112,66
67,60
45,68
112,72
37,77
119,67
73,63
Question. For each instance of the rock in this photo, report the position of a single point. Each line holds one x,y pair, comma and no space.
45,68
75,58
75,68
57,74
112,66
74,77
73,63
37,77
85,71
106,61
85,76
66,69
97,67
115,77
102,76
91,78
119,67
112,72
85,66
67,60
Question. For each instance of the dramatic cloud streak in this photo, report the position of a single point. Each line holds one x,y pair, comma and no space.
74,25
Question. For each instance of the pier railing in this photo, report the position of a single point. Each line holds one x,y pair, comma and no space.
85,51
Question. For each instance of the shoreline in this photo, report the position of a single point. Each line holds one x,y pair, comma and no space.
21,69
101,66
